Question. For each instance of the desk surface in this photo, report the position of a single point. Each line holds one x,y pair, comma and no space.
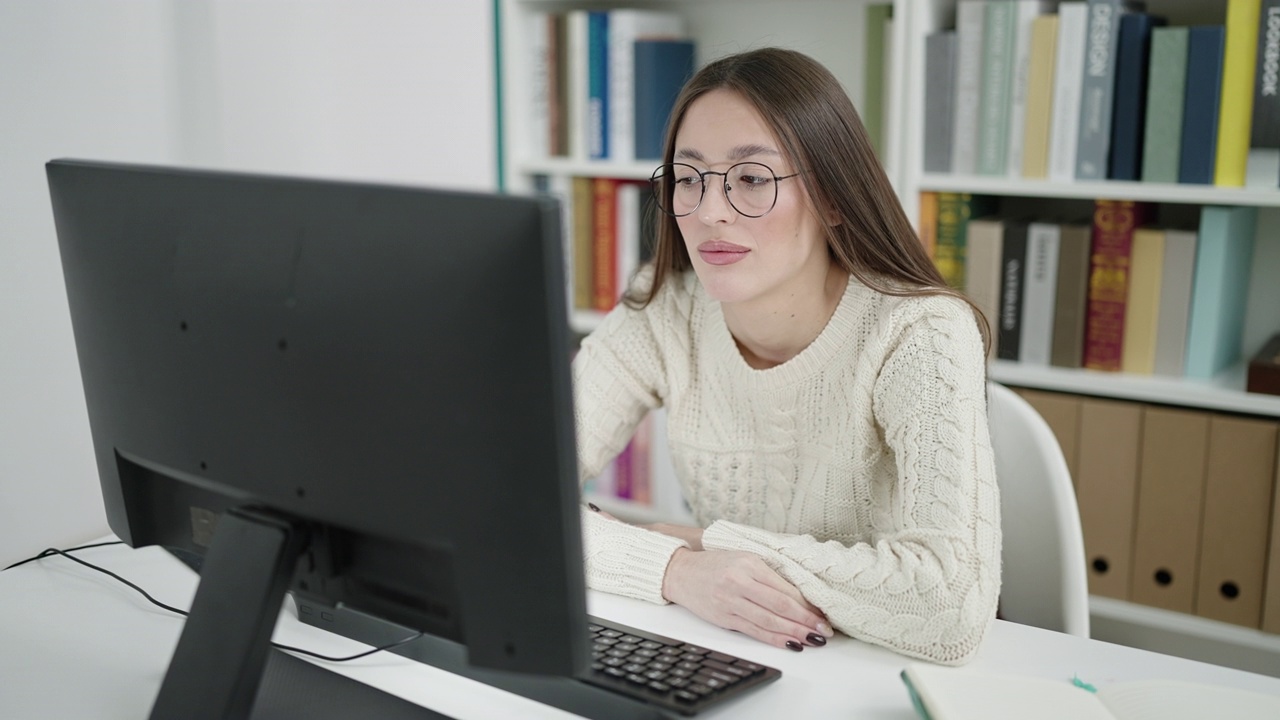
75,643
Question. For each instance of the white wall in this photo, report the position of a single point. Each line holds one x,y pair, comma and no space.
395,90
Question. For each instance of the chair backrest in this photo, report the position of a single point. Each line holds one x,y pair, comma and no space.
1044,575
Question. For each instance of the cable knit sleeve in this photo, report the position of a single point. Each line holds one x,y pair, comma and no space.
927,581
618,378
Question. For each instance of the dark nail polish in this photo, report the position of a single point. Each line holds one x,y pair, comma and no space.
816,639
793,645
593,507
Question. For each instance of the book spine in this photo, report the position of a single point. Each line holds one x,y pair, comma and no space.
558,79
538,31
1175,301
1113,224
1162,134
1142,305
661,68
939,98
628,233
1221,286
997,78
578,83
1070,303
583,241
1263,167
929,223
625,28
1038,298
983,272
1131,95
1236,109
1039,112
954,212
1013,264
1097,89
1068,71
968,86
1200,105
598,85
604,246
1024,17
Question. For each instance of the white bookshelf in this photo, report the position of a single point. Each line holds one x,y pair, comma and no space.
830,30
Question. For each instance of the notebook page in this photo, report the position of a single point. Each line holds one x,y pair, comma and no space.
965,694
1174,700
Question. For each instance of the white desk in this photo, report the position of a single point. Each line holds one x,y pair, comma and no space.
77,644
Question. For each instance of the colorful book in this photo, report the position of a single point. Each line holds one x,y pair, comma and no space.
997,82
1200,105
1129,108
1039,112
954,213
968,86
1236,108
1142,305
1263,166
661,67
1041,288
626,26
1175,301
583,228
939,99
1114,222
929,222
1224,253
1070,306
604,243
597,84
1013,265
1097,90
1064,135
1166,84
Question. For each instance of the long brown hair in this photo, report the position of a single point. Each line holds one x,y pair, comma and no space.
822,135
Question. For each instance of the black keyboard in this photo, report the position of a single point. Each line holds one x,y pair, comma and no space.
666,672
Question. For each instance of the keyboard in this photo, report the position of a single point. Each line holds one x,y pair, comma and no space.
670,673
634,674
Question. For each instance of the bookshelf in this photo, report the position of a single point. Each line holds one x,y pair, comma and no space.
830,31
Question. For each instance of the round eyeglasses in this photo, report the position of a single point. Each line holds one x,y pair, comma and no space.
750,187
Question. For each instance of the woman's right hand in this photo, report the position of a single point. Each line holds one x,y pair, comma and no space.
739,591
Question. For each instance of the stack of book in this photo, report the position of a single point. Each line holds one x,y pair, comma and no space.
1101,90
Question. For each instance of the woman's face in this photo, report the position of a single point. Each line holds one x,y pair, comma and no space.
737,258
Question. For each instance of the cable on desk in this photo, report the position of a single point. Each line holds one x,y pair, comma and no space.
67,554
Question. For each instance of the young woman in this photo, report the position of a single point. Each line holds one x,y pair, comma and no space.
826,392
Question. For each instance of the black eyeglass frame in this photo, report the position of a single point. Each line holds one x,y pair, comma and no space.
655,183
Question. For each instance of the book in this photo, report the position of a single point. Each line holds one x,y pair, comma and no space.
1236,109
604,243
1142,304
1097,90
628,234
948,693
968,86
997,80
1264,369
1072,295
1175,301
1262,169
1040,290
872,109
1113,224
929,222
1013,270
626,26
1128,119
1038,117
661,69
939,99
558,85
1203,91
1166,82
1025,14
582,229
540,31
1224,254
984,272
1068,71
954,212
577,81
597,84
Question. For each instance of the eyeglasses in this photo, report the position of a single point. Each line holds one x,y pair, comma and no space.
750,187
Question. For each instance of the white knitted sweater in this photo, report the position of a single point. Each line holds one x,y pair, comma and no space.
861,469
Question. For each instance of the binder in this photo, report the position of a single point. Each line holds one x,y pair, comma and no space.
1271,597
1237,511
1106,491
1062,413
1175,445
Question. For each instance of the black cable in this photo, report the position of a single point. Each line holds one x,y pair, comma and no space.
67,554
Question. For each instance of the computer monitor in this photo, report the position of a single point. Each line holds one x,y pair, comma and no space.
356,392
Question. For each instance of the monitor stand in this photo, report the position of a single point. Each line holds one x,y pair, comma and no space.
224,666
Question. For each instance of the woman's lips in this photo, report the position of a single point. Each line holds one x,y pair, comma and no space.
721,253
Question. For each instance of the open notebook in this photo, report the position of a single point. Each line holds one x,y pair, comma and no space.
942,693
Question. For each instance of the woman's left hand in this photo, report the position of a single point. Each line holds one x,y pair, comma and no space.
691,535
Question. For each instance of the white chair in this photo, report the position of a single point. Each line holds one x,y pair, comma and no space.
1044,576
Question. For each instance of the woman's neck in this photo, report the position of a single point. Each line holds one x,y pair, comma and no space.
772,330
